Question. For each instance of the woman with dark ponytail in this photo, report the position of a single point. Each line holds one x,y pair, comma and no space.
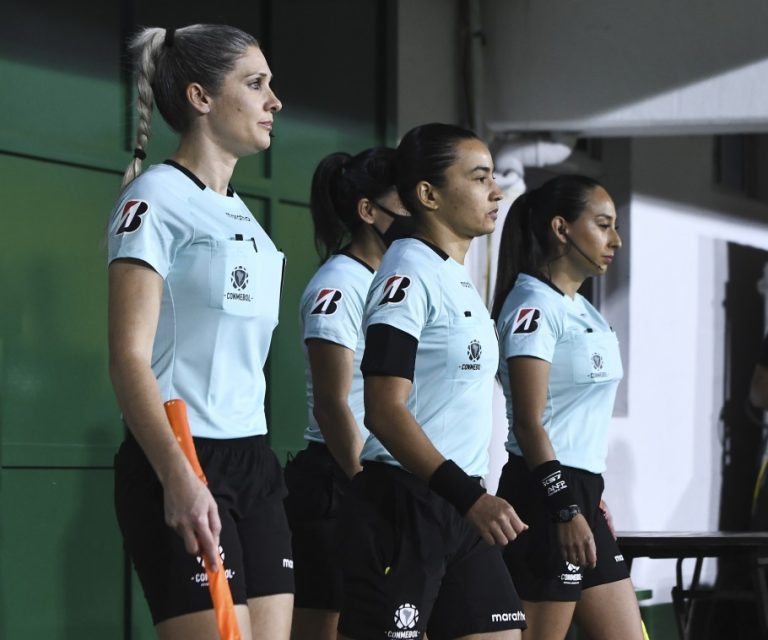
185,260
356,213
559,367
421,538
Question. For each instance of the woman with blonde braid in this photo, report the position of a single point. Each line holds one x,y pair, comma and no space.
194,284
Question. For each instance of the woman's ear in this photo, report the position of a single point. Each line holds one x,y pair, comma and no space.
560,228
365,210
428,196
198,97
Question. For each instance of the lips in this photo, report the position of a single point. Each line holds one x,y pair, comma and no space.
267,124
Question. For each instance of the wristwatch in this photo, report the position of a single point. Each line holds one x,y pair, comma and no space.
566,514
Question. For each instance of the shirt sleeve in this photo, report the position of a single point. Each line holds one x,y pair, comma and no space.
402,300
528,328
333,314
145,228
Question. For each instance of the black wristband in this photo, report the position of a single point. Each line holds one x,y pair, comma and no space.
556,490
451,483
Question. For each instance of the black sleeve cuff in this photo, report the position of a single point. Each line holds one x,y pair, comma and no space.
389,352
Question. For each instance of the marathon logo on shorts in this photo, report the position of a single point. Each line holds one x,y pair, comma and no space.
287,563
527,320
130,216
201,578
395,289
573,575
406,617
508,616
618,558
327,302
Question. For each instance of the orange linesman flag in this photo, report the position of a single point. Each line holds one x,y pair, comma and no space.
223,607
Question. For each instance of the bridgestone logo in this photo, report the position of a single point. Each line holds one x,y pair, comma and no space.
516,616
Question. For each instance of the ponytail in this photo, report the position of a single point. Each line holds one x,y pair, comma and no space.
338,184
146,46
526,240
519,249
329,229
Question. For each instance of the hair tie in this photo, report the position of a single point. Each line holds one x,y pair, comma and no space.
139,153
169,33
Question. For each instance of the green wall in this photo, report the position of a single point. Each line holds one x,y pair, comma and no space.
64,141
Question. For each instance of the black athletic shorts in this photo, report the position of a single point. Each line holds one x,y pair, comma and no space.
316,484
412,564
246,480
534,558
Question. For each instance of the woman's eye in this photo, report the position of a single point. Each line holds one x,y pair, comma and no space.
256,84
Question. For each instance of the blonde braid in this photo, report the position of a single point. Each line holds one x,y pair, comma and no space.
146,46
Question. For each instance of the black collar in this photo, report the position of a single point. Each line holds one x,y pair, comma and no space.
194,178
434,247
544,279
346,252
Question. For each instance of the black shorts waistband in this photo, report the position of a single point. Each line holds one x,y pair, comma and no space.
519,461
384,467
235,444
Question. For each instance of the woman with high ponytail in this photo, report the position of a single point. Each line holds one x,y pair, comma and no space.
420,538
356,213
559,366
194,285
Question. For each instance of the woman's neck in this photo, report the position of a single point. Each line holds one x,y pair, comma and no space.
368,247
208,162
564,276
444,238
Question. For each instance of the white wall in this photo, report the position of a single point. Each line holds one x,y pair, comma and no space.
664,457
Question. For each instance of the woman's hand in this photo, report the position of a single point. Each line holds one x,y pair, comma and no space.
577,544
495,520
191,511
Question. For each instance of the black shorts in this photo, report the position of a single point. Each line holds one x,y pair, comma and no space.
534,559
412,564
246,480
316,484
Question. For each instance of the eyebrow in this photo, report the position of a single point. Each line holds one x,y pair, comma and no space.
258,74
482,168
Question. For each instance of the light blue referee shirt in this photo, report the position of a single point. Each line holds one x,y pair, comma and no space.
538,320
331,308
222,278
423,292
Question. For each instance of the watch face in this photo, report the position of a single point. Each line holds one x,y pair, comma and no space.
568,513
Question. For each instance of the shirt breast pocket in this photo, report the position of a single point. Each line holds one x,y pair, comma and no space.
595,357
245,282
472,348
